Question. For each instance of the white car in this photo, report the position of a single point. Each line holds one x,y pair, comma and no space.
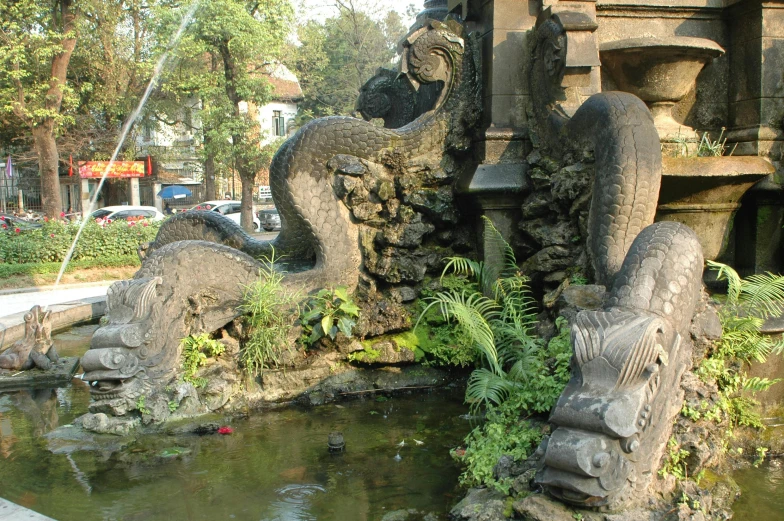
127,213
228,208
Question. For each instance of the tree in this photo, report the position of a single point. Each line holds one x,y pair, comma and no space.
39,38
337,57
228,47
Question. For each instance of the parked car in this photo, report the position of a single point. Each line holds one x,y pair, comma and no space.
10,223
270,219
127,213
227,208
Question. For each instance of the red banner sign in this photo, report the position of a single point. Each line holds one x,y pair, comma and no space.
95,169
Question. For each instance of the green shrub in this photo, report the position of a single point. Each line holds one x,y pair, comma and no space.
271,310
498,323
327,313
502,433
50,243
44,268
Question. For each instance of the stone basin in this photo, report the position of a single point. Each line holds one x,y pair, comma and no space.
704,193
660,71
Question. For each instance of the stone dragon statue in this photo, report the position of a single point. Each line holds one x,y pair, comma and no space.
612,422
193,274
36,349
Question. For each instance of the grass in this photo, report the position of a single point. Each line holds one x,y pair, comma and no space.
14,276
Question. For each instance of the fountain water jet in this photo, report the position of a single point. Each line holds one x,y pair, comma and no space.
186,19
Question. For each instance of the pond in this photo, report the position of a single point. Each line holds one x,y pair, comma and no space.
275,465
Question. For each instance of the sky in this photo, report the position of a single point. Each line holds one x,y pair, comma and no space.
321,9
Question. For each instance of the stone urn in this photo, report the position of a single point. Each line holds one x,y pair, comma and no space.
704,193
660,71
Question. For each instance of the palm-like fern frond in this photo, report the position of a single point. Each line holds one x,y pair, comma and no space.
764,294
486,387
473,312
734,282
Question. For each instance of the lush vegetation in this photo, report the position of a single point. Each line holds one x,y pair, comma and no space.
50,243
518,374
45,268
196,349
339,55
271,310
327,313
748,304
77,68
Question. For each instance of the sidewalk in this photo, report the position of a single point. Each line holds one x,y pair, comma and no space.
70,304
14,301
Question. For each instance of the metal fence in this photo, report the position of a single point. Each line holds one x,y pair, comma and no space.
23,188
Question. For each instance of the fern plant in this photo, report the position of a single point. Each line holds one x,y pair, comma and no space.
749,302
499,321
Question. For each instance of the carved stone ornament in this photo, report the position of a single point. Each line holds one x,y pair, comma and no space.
36,348
612,422
193,275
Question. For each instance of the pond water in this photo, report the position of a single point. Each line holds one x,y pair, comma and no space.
274,466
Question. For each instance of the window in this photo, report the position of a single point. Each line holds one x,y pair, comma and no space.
278,123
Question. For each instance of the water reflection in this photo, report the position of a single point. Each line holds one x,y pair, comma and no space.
274,466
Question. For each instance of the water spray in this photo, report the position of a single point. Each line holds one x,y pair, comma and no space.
186,19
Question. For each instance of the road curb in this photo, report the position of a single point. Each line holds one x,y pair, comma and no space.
64,315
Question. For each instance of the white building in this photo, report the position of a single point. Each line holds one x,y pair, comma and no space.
174,146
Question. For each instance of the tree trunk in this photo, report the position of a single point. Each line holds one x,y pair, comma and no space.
48,161
246,209
43,132
209,172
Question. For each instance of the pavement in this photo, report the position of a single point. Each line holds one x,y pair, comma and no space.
12,512
70,304
19,300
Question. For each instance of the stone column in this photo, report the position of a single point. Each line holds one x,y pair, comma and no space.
756,115
135,191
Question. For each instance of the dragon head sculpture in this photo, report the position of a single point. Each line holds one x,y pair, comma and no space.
612,422
124,360
607,416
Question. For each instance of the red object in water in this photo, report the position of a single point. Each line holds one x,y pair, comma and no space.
225,430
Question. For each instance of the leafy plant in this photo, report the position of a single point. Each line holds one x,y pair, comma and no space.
711,148
271,309
749,302
196,349
503,433
499,323
675,461
141,405
329,312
